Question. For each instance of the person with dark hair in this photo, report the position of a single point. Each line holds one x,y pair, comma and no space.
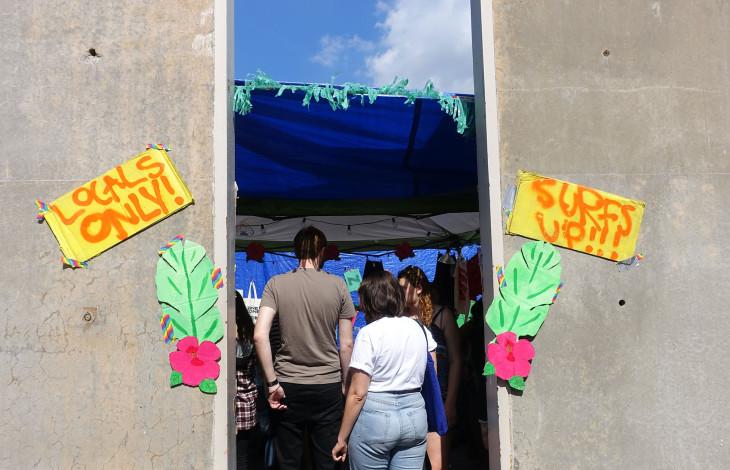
246,392
384,425
442,324
305,378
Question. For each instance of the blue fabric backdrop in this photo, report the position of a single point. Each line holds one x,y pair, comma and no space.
277,263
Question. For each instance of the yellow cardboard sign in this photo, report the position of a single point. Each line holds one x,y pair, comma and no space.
116,205
575,216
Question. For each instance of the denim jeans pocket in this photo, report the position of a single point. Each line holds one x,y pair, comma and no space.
417,424
373,426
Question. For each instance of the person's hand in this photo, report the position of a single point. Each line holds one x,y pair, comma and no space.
339,451
451,416
275,397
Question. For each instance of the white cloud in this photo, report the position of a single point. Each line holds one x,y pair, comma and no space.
335,51
422,40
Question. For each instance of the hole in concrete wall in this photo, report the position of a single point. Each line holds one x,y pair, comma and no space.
92,56
621,303
606,53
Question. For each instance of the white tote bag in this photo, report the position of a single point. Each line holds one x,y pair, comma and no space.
252,301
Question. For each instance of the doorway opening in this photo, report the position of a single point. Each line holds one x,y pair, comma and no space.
363,175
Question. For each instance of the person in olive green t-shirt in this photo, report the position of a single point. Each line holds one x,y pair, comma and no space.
305,379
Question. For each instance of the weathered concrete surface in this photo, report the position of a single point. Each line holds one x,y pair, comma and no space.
643,386
95,395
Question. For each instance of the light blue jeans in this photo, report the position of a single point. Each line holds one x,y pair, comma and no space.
390,433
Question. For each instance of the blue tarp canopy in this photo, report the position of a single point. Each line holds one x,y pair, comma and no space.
382,158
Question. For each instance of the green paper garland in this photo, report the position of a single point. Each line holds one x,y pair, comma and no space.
339,97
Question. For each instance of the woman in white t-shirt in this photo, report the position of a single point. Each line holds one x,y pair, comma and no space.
385,417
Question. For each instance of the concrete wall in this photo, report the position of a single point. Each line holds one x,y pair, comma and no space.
94,395
644,385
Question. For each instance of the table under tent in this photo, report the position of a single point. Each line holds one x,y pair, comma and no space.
379,177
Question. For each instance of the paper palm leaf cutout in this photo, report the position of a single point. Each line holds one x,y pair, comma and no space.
187,294
532,277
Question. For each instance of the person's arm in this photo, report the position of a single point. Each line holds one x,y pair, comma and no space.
263,351
345,329
453,344
346,314
356,395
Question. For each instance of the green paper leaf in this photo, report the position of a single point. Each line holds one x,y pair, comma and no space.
353,279
517,382
532,276
465,317
186,293
175,379
488,369
208,386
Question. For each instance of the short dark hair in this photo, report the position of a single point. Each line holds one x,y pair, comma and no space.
381,296
309,243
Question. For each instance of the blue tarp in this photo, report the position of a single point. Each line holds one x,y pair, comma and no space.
277,263
387,150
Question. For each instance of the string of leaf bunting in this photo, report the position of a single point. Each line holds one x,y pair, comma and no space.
339,97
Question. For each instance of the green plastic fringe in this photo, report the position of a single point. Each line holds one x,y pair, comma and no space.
339,97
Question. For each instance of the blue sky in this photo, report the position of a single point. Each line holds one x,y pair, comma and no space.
366,41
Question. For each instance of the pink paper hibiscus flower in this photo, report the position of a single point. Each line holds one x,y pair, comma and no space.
195,362
509,356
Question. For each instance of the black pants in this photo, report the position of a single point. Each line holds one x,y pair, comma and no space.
250,450
312,409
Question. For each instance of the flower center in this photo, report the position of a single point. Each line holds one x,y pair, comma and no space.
510,356
192,351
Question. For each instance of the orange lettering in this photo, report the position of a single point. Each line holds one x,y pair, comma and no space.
140,164
101,234
556,228
167,185
584,217
623,230
110,183
76,196
157,198
107,220
145,217
66,220
544,197
125,182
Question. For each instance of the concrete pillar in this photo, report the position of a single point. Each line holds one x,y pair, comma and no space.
95,394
